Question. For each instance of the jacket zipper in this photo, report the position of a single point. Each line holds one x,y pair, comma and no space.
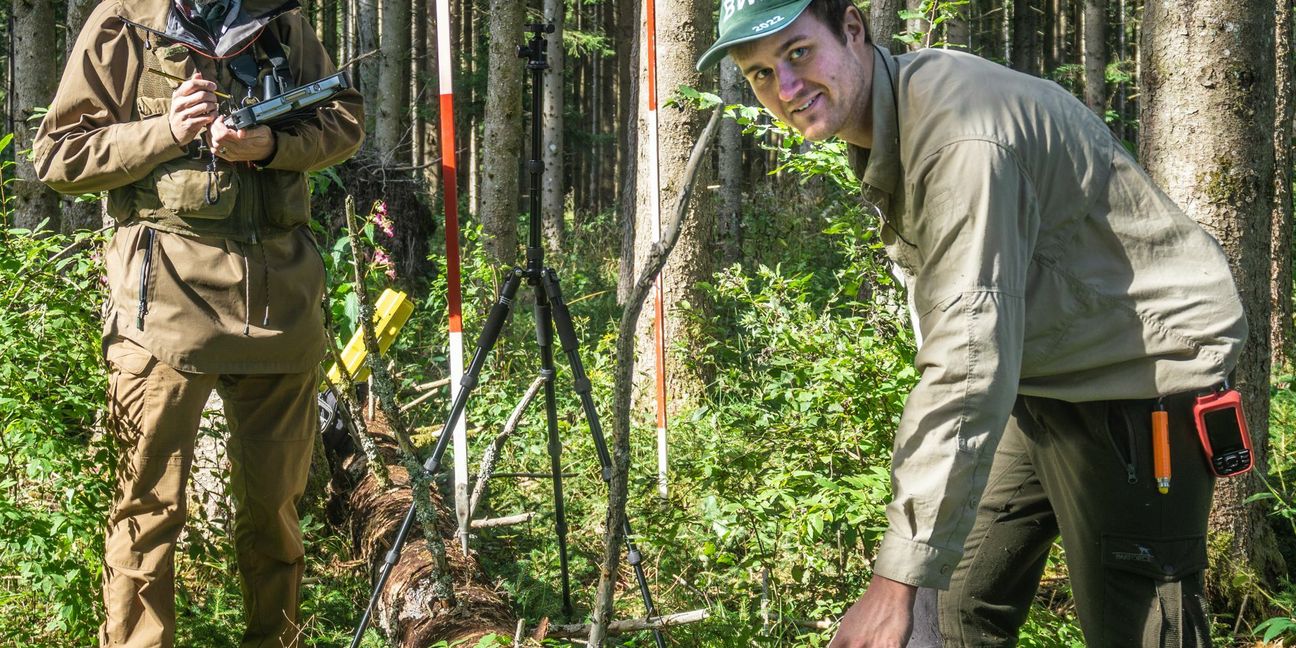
145,270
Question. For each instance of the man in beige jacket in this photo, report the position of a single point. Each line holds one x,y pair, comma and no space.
214,282
1058,297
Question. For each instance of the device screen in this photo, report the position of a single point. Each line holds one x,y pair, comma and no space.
1222,428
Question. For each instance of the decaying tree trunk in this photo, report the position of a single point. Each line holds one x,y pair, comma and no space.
408,613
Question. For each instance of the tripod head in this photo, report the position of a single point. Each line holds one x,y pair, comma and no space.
534,50
537,61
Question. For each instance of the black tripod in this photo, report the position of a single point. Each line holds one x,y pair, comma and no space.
550,312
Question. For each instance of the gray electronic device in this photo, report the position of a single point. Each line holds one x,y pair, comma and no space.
282,105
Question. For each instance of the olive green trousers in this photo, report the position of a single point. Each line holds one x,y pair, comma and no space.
1135,557
154,411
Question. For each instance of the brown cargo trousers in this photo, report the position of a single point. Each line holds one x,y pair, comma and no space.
1135,557
154,410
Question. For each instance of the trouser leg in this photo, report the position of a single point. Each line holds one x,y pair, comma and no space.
994,583
272,421
1135,556
153,411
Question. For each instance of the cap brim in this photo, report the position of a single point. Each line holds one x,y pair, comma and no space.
722,45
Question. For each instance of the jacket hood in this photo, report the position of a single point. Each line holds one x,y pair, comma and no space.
160,17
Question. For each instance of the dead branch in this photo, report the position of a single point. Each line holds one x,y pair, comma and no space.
492,453
507,520
613,538
624,626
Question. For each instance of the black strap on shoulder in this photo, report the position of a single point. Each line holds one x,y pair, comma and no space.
245,68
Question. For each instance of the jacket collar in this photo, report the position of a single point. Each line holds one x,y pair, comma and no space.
249,17
879,168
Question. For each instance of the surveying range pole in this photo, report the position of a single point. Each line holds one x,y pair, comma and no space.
654,202
449,180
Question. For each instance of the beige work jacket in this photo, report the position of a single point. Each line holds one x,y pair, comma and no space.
247,301
1039,260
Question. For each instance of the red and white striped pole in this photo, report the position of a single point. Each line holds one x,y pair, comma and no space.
654,202
450,194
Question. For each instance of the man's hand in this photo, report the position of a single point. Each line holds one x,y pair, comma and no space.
882,618
249,145
193,107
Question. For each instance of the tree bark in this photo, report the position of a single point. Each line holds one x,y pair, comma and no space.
328,28
1280,338
1025,37
629,63
366,40
1095,55
499,171
390,123
36,76
730,166
551,186
1207,111
885,24
679,45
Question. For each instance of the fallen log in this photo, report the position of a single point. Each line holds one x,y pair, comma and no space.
409,612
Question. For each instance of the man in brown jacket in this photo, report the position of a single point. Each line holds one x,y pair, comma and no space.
214,279
1058,298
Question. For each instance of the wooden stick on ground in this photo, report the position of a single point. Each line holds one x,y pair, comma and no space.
576,630
508,520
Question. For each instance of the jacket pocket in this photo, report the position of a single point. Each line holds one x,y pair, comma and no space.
188,190
287,203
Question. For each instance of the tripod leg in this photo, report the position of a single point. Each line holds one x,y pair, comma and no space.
544,339
489,336
567,336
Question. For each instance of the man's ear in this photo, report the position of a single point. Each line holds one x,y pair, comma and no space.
854,27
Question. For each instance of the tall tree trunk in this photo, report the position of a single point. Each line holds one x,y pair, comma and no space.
499,172
1280,338
35,79
1025,37
1207,109
328,28
1095,55
730,166
629,64
366,34
390,123
420,20
679,44
885,24
551,186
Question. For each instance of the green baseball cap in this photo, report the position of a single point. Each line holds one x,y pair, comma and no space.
746,20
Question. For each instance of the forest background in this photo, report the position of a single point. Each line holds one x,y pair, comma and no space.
788,359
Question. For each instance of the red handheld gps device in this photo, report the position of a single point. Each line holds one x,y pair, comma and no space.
1222,427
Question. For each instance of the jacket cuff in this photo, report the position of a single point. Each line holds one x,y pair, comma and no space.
915,563
150,146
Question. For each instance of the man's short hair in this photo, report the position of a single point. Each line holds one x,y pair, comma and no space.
833,13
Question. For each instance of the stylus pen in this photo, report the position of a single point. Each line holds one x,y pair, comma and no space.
1161,447
173,77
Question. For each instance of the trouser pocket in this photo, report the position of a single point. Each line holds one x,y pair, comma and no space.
1153,594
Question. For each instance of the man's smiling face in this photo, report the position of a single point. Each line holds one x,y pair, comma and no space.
809,78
